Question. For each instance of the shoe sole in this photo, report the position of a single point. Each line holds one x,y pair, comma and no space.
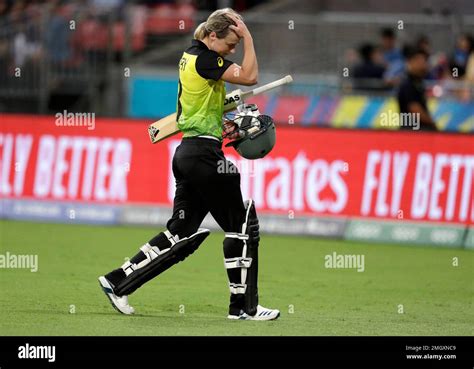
104,289
235,317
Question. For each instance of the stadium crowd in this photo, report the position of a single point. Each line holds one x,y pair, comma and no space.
382,65
34,42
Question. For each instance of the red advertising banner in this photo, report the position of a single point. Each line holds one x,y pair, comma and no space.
390,175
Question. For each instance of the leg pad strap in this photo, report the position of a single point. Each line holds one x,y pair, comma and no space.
241,252
242,262
157,261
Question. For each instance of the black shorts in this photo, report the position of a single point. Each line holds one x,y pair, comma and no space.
205,182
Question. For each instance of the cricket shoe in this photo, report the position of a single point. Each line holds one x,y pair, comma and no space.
261,314
119,303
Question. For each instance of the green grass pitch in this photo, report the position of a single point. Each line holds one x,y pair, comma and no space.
63,297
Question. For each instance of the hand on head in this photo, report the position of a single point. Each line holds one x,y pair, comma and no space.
239,28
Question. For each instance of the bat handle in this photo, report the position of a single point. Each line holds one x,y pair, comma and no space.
269,86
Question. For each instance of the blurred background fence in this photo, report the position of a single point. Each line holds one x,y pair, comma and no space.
83,55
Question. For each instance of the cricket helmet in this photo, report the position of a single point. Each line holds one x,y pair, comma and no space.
257,132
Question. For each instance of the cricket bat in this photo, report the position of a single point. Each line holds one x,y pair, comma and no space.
168,126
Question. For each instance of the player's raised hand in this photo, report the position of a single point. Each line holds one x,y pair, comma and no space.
240,28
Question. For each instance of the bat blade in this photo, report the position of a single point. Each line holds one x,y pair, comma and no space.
163,128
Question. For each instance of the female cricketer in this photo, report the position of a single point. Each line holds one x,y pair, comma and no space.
201,184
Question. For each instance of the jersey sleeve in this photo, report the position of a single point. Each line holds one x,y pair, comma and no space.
210,65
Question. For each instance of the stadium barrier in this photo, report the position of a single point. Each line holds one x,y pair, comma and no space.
469,242
401,187
406,233
302,105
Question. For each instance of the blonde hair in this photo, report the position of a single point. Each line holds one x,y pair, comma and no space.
217,22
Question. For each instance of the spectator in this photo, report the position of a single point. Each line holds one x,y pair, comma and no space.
24,49
26,45
392,56
438,68
369,69
411,93
4,8
58,37
467,93
423,43
460,56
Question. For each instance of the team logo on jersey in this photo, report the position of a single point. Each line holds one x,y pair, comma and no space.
220,61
